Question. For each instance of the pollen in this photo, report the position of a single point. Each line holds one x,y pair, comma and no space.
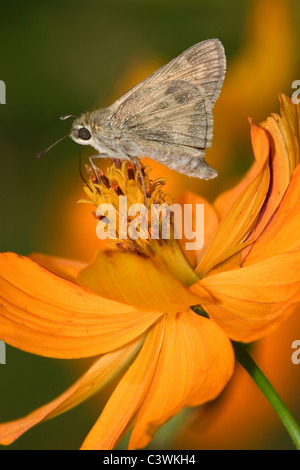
122,178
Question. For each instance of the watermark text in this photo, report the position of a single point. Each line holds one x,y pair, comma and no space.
2,352
163,222
296,353
296,94
2,92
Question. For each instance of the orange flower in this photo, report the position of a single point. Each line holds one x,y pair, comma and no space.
132,307
133,311
251,267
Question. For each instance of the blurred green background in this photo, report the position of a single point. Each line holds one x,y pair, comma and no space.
70,56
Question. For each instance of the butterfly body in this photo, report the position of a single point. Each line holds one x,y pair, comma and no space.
167,117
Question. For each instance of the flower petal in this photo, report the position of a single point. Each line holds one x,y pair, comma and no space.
66,268
211,222
137,281
289,124
280,167
248,299
260,145
100,374
282,234
249,328
283,133
217,362
183,367
44,314
280,174
128,395
238,222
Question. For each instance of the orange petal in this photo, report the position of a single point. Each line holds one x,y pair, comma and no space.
44,314
128,395
184,365
283,133
218,362
281,174
100,374
68,269
290,129
246,300
211,222
260,145
248,328
282,234
170,257
138,281
237,224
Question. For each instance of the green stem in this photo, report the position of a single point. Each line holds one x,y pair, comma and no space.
270,393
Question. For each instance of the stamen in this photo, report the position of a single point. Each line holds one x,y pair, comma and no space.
117,188
126,180
103,178
98,217
130,171
121,247
91,174
148,190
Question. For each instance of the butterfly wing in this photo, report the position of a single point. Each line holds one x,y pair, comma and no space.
168,116
174,112
203,64
170,122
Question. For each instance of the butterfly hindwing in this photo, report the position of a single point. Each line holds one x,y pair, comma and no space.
174,112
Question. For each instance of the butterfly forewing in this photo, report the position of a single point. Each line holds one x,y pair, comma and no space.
174,112
203,64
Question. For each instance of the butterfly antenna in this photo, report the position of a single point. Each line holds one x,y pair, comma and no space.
63,118
67,116
40,154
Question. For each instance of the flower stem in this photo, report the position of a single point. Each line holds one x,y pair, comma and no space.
270,393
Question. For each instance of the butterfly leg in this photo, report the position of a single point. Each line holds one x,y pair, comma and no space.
101,155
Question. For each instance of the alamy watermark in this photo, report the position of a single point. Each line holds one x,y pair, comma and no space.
162,222
296,94
296,353
2,92
2,352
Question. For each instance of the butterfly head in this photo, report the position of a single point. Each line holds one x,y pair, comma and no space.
82,131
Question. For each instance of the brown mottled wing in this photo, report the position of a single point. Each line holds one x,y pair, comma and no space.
203,64
175,112
170,122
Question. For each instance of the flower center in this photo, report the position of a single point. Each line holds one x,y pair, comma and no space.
141,208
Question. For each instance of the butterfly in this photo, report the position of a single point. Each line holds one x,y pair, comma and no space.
167,117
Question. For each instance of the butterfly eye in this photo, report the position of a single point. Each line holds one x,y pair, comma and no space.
84,133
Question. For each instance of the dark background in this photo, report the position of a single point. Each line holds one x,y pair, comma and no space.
71,56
